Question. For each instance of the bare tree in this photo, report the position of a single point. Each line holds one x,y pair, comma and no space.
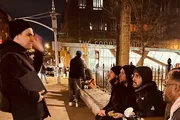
148,21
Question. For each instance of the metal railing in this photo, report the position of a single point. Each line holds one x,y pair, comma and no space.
159,75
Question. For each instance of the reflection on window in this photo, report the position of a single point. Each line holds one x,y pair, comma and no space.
98,26
90,26
82,4
134,58
113,26
163,56
103,27
97,4
105,57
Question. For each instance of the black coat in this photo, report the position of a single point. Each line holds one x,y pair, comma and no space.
149,100
121,98
77,68
24,103
176,115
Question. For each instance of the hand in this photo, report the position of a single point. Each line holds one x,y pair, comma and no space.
101,113
37,44
117,115
40,95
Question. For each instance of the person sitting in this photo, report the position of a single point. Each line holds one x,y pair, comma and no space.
127,95
148,97
89,80
114,102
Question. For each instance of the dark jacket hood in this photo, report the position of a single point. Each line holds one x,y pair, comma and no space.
145,72
11,46
150,86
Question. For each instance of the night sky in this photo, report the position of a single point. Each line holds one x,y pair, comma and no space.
23,8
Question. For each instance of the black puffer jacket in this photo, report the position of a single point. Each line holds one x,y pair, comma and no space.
149,100
24,103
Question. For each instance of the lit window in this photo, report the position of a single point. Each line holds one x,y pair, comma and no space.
82,4
97,4
90,26
103,26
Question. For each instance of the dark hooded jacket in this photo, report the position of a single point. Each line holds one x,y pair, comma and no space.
122,97
148,97
24,103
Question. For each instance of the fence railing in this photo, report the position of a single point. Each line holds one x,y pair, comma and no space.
159,75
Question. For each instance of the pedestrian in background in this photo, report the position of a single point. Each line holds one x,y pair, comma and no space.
76,74
43,73
24,104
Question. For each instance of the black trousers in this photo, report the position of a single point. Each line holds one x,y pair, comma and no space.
97,117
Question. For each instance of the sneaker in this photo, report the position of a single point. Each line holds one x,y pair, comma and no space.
77,105
70,104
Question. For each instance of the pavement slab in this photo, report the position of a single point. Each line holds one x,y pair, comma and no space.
57,101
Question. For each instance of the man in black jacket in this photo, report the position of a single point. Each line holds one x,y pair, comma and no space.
75,75
117,96
172,94
25,104
148,97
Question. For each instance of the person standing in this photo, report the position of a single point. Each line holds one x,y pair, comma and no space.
24,104
75,75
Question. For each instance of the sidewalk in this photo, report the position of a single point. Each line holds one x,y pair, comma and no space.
57,101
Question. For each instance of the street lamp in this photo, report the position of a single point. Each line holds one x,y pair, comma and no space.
47,46
54,26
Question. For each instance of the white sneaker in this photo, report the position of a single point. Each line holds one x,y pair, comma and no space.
77,105
70,104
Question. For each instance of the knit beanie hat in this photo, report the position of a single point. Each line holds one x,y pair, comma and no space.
145,72
78,53
129,69
17,26
116,69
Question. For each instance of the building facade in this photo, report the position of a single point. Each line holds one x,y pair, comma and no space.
93,27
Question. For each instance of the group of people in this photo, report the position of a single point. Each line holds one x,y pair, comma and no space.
134,87
131,87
